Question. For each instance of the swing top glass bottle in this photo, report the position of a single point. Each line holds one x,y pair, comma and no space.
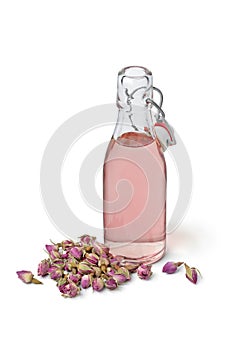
134,181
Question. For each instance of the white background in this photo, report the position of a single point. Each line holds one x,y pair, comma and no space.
60,57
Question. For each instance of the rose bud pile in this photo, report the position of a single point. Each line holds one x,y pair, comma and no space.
83,264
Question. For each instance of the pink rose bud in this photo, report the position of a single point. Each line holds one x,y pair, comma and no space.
84,268
171,267
86,281
43,267
25,276
64,255
124,271
103,261
120,278
75,278
111,283
58,262
92,258
132,267
192,273
99,248
67,244
144,271
97,271
110,271
53,251
97,284
86,239
76,252
69,290
55,272
114,262
105,249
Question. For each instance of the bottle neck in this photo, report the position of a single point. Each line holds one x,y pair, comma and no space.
135,120
134,87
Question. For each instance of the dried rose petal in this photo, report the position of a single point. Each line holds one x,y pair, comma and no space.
43,267
144,271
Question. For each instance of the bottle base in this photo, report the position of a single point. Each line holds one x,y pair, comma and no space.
138,252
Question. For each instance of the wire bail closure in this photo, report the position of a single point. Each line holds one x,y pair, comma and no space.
161,121
169,139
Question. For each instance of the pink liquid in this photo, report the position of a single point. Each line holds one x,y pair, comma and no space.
135,198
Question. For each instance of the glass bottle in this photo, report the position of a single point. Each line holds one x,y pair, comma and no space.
134,174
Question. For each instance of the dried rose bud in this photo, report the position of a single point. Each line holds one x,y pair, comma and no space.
92,258
192,273
58,262
100,249
55,272
122,270
65,255
27,277
86,239
76,252
144,271
103,261
86,281
67,244
131,267
43,267
110,271
114,262
97,248
53,251
62,281
120,278
111,283
74,278
84,268
71,263
96,270
105,249
171,267
69,290
97,284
